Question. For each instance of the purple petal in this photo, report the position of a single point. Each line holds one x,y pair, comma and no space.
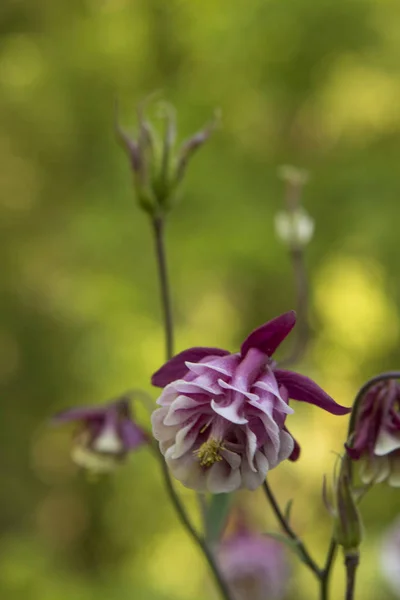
82,413
270,335
176,367
304,389
132,435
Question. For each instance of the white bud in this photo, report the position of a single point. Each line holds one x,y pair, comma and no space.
294,228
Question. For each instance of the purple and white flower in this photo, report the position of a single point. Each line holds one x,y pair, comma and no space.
104,435
376,438
221,425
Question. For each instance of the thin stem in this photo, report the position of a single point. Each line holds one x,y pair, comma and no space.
351,562
293,192
198,539
330,559
308,560
159,241
302,329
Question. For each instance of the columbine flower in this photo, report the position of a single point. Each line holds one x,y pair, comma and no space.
221,425
254,566
105,434
376,438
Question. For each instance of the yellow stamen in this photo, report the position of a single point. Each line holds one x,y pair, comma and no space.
209,452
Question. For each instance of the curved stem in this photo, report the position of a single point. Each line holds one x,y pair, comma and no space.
159,242
198,539
307,559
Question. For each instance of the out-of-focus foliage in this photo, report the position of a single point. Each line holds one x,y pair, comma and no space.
315,84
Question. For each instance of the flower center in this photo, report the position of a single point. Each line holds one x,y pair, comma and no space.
209,452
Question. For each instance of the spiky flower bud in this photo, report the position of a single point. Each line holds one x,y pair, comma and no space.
158,167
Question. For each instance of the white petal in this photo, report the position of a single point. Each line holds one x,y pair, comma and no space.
374,469
108,441
229,412
251,448
182,404
168,395
240,391
387,442
184,439
188,471
286,447
232,458
221,479
160,431
280,404
252,480
271,453
96,463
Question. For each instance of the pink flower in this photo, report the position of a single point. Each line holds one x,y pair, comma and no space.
221,425
376,439
104,435
254,566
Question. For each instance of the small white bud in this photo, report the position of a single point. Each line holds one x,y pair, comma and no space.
295,229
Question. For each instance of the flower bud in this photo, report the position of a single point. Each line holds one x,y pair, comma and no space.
348,526
344,511
157,166
294,228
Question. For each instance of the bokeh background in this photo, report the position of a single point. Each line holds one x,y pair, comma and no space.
314,84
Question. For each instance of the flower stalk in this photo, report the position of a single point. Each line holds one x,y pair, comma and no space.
158,227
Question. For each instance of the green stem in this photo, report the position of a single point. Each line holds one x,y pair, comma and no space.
159,242
351,562
301,548
325,576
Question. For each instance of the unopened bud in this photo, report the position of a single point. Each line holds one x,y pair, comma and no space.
347,522
294,228
157,166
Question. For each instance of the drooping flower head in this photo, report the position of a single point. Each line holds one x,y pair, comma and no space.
253,565
376,438
221,425
104,435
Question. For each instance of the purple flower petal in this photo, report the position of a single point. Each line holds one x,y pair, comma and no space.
304,389
132,435
82,413
269,336
176,367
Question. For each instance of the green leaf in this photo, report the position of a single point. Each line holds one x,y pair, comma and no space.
288,510
217,514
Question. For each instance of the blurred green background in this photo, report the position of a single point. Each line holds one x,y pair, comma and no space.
314,84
